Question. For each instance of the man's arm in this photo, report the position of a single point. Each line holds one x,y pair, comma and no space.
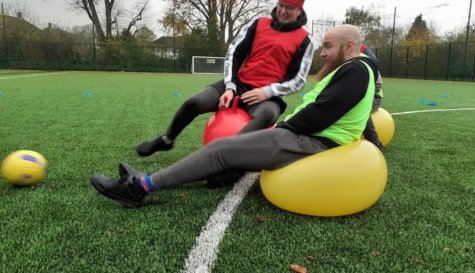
237,52
347,87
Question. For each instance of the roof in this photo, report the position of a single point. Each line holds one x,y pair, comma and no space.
167,41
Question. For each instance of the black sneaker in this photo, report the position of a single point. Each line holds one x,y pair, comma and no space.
148,148
123,191
126,171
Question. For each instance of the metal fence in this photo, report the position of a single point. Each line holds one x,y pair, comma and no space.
447,61
113,56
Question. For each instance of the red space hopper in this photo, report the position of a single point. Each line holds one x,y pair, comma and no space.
225,122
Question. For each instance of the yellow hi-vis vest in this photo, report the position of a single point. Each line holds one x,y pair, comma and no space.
350,126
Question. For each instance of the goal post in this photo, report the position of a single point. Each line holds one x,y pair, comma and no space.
207,65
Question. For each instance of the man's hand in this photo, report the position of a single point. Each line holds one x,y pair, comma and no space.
254,96
226,98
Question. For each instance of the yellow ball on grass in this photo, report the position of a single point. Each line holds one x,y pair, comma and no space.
24,168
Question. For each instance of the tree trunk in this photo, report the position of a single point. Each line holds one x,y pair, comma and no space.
109,4
90,8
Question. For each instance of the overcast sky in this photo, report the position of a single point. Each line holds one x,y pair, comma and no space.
446,15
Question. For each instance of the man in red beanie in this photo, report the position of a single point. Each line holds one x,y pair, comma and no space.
269,59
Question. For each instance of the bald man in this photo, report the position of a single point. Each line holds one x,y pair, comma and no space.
334,113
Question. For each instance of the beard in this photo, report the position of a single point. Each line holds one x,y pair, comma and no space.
331,65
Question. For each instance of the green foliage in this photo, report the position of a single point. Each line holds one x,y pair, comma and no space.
461,35
213,34
364,19
144,36
382,37
418,36
124,53
373,33
197,44
418,30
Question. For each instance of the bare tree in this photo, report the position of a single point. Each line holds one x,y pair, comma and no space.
222,19
112,15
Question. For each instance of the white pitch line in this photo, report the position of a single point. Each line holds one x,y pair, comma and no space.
34,75
434,110
205,251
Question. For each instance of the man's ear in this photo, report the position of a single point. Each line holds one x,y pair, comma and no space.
350,46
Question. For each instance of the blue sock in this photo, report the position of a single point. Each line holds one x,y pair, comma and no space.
146,183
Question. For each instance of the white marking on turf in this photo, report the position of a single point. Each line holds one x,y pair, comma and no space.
434,110
205,251
34,75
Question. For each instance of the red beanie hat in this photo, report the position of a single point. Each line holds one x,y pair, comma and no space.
297,3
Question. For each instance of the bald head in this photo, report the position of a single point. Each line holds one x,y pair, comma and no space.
347,36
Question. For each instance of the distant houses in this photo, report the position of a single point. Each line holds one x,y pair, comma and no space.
167,46
18,29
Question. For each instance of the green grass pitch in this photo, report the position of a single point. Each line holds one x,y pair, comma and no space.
86,122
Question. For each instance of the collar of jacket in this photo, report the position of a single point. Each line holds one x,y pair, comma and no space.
301,21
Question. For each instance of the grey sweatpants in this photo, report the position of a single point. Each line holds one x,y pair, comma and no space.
260,150
370,132
262,115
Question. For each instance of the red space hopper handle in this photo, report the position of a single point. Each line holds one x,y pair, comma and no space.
225,122
234,105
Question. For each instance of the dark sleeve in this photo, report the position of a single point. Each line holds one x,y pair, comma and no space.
239,50
346,89
369,52
298,58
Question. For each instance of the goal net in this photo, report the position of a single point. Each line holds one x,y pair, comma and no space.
207,65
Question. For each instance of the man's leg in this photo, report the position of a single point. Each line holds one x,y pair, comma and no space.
205,101
376,104
263,115
255,151
371,135
369,132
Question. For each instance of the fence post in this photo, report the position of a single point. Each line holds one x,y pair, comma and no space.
58,55
5,37
448,62
407,61
93,47
426,61
392,44
390,61
473,67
